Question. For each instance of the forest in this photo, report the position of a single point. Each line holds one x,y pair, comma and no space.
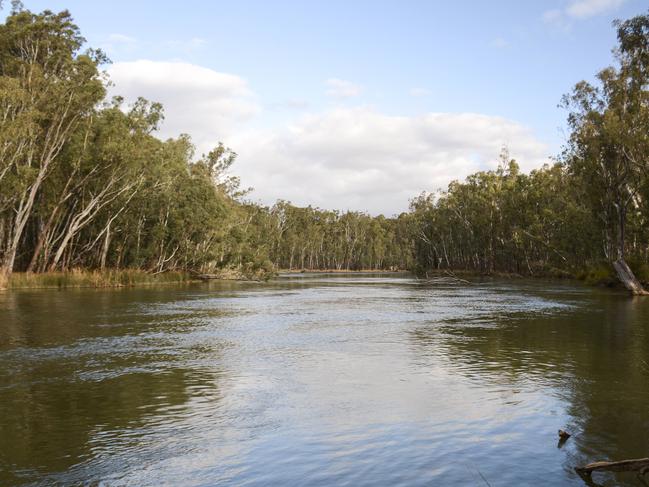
85,183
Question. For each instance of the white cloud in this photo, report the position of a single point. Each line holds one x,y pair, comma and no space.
588,8
340,88
553,15
349,158
359,158
121,39
204,103
293,104
499,43
419,92
580,9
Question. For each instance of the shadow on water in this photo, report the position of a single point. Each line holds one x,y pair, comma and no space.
86,374
591,358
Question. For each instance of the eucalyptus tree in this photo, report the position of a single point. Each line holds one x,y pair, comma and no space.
86,184
48,89
609,142
504,221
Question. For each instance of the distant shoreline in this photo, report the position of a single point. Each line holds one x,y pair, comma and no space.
129,278
341,271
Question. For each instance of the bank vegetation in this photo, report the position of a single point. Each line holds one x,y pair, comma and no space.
89,194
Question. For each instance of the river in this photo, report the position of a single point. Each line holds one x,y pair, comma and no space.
316,379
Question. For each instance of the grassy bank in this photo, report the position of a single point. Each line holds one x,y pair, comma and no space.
339,271
603,274
598,274
78,278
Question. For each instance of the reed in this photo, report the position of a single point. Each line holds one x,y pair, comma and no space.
92,278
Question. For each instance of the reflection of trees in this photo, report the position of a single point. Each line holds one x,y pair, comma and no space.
60,405
51,317
48,426
596,359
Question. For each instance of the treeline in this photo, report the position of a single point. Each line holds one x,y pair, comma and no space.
589,209
311,238
506,221
86,184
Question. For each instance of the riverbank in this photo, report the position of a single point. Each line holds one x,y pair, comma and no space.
598,274
341,271
114,278
78,278
595,275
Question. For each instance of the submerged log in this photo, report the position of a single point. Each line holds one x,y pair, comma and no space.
638,465
207,277
448,278
625,274
563,437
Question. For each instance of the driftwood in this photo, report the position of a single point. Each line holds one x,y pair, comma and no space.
223,277
448,278
563,437
202,276
625,274
206,277
638,465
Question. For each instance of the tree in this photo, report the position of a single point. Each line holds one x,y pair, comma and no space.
609,144
47,89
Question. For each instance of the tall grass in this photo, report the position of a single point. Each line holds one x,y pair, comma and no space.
598,274
88,278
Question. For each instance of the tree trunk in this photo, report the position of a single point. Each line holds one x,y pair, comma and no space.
626,276
641,465
104,251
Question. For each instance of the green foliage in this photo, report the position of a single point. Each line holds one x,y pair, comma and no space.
506,222
640,268
590,208
312,238
88,185
598,274
85,184
608,146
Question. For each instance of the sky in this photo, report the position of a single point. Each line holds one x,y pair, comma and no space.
356,104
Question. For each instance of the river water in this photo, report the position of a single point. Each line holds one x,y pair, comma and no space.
355,380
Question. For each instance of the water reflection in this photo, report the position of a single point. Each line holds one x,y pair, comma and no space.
103,378
591,358
321,380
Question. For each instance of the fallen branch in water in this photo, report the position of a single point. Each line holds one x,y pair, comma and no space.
638,465
563,437
453,276
448,278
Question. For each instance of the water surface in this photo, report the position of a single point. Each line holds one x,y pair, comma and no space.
322,380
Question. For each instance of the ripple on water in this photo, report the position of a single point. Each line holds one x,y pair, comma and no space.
322,380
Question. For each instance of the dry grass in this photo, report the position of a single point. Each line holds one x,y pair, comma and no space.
86,278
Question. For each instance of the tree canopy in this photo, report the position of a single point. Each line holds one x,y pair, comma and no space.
86,183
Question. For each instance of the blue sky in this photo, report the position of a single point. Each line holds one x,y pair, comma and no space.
377,92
